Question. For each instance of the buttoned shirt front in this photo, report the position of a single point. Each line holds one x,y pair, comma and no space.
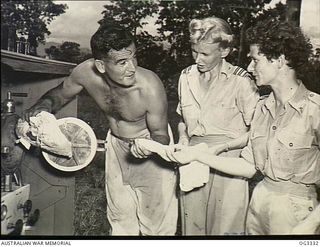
227,107
287,146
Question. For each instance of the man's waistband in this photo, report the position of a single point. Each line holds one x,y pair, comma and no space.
124,139
144,134
288,187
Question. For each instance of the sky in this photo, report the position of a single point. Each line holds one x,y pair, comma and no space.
80,21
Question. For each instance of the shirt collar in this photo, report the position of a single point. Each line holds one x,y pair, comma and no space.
269,104
297,101
226,69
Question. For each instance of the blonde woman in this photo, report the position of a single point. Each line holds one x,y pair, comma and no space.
216,104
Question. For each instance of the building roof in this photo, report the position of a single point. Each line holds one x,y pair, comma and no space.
26,63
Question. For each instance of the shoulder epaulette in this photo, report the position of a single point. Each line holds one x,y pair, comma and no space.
314,97
262,97
186,70
242,72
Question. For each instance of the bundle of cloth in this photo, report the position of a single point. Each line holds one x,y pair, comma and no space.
43,131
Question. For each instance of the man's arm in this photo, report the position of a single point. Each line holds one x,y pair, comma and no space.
56,98
155,99
157,116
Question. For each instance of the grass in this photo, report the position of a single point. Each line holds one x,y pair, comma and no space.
90,199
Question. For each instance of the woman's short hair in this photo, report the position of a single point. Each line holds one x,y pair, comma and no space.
211,30
276,37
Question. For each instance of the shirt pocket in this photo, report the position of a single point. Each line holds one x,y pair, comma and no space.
294,146
294,140
221,114
259,147
301,207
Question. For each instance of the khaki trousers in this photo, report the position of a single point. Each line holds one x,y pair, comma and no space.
141,193
220,206
277,207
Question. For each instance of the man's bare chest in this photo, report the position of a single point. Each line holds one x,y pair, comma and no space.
121,105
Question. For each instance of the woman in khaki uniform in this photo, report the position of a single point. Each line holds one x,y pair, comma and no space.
216,105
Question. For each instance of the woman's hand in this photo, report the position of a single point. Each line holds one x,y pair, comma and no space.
183,140
186,154
218,149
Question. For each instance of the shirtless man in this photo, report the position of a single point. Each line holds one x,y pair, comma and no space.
140,188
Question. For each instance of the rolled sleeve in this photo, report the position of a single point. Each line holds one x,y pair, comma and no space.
178,110
247,153
247,99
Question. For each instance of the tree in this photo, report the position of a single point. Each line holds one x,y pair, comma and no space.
311,75
293,12
28,18
67,52
129,13
175,16
53,52
70,51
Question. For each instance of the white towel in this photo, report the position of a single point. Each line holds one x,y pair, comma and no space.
193,175
44,131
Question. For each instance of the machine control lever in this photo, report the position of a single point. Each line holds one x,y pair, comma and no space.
8,104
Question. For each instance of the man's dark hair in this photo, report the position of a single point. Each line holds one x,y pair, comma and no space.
275,37
109,36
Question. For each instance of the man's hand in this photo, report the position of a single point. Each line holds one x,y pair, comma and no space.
154,147
139,151
34,110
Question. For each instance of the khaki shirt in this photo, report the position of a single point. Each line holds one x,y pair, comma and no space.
226,109
287,146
